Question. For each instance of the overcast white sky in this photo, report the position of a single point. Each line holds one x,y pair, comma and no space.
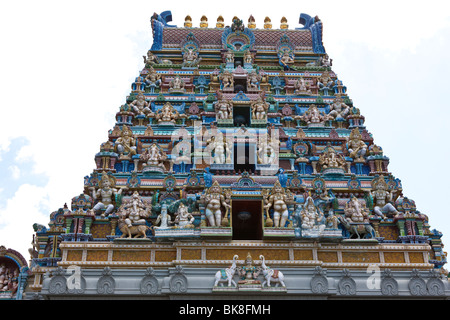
67,66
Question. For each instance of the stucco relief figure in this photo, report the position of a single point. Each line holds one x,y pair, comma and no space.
248,58
153,79
314,116
356,211
140,106
287,59
253,80
105,194
301,87
267,152
126,143
220,149
191,58
229,57
183,218
214,200
224,109
278,199
227,81
338,109
259,109
382,198
331,159
154,156
167,114
356,146
325,83
164,220
311,217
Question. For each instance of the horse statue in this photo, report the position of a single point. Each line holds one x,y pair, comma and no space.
227,274
271,275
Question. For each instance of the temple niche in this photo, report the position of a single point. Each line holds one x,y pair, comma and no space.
238,164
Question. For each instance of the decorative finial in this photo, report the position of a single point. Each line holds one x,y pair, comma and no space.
251,22
267,23
188,22
284,24
203,22
220,22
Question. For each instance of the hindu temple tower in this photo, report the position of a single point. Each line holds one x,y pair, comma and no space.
238,166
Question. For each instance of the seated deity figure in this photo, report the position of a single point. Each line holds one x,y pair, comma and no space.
338,109
150,59
153,79
325,61
154,156
356,146
224,109
214,200
134,211
220,149
164,220
253,80
167,114
183,218
382,198
140,106
191,58
259,109
331,159
177,84
126,143
278,199
356,211
227,80
325,83
105,194
301,88
287,60
311,217
313,116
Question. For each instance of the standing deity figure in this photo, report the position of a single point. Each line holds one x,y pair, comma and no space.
248,58
229,57
191,58
134,210
253,80
267,152
153,79
338,109
382,198
227,80
105,194
220,149
224,109
140,106
183,218
126,143
278,199
356,211
167,114
259,109
311,217
355,145
287,59
214,200
301,88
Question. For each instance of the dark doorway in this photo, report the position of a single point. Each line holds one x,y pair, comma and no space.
247,220
240,85
241,116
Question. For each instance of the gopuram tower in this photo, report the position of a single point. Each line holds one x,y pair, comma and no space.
238,166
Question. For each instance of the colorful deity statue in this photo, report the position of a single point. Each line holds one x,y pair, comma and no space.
253,80
355,145
325,83
249,272
278,199
248,58
301,87
267,152
220,149
229,57
153,79
164,220
134,211
214,200
106,194
154,157
330,159
286,59
311,216
338,109
177,85
259,109
382,198
227,80
167,114
140,106
313,116
355,211
224,109
126,144
191,58
183,218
